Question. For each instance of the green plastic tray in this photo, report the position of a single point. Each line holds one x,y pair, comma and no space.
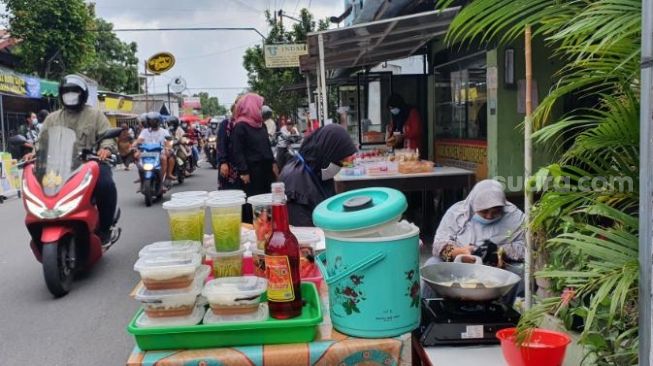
301,329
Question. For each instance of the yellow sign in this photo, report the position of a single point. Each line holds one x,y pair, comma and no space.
12,84
121,104
284,55
161,62
469,155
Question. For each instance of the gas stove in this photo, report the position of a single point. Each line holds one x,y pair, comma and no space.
448,322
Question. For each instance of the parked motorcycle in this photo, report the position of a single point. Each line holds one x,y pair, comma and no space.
61,215
211,151
149,172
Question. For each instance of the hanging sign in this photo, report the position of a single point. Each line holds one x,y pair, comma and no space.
160,62
284,55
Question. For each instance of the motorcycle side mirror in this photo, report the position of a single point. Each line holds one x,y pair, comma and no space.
17,140
111,133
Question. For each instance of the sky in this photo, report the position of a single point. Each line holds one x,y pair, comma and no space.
208,60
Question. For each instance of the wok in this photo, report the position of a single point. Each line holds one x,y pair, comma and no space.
468,282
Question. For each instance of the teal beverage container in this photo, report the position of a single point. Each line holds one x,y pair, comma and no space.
371,263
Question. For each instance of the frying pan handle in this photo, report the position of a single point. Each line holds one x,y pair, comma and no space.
368,261
459,258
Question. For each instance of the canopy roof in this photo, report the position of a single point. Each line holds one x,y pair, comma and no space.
371,43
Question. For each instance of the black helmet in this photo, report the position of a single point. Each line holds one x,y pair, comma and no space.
266,112
153,119
70,85
173,122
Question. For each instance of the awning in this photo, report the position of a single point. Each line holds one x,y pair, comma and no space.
371,43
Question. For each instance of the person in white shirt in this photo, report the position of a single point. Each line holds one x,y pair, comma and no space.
154,134
270,125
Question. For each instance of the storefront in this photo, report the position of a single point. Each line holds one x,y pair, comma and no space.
118,108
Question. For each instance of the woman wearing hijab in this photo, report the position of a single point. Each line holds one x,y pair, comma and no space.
309,176
484,215
251,151
405,131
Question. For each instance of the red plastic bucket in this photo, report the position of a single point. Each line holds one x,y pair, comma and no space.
542,348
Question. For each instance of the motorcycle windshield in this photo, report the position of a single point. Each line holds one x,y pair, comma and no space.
57,158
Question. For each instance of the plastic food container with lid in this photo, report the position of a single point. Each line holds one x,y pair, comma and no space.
189,194
167,272
186,219
369,251
194,318
171,303
227,264
262,211
261,314
171,247
225,220
235,295
229,193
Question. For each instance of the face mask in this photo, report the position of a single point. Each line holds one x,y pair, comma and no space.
395,111
35,120
330,171
483,221
70,99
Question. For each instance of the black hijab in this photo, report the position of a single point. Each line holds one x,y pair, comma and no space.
303,175
396,101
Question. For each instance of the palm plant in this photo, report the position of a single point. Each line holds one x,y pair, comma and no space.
592,233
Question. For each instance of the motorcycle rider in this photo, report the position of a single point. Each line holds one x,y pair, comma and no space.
88,123
154,134
270,125
213,128
193,136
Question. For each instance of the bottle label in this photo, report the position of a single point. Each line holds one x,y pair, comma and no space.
280,287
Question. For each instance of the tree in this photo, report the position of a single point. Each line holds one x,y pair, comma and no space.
114,64
53,34
210,105
591,234
268,82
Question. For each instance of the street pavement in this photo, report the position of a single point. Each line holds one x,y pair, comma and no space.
87,326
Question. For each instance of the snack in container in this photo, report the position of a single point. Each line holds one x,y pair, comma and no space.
168,272
227,264
167,247
226,219
235,295
261,314
423,166
173,303
262,210
194,318
186,218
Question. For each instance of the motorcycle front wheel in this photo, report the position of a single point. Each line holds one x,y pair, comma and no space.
59,265
147,192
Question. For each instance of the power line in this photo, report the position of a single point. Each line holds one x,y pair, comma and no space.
181,29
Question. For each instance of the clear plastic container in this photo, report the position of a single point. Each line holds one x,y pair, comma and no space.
227,264
172,303
235,295
260,315
186,219
262,210
189,194
228,193
258,261
168,272
226,221
194,318
170,247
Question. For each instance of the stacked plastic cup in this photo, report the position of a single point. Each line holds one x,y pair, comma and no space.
226,220
186,219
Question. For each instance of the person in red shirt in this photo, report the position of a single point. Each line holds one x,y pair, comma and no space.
405,130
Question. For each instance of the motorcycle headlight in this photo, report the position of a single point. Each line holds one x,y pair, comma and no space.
148,166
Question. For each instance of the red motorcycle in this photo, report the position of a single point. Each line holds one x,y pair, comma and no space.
62,219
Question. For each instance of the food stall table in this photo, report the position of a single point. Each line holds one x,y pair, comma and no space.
441,178
329,348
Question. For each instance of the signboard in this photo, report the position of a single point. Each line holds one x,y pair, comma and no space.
12,84
160,62
466,154
192,103
284,55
